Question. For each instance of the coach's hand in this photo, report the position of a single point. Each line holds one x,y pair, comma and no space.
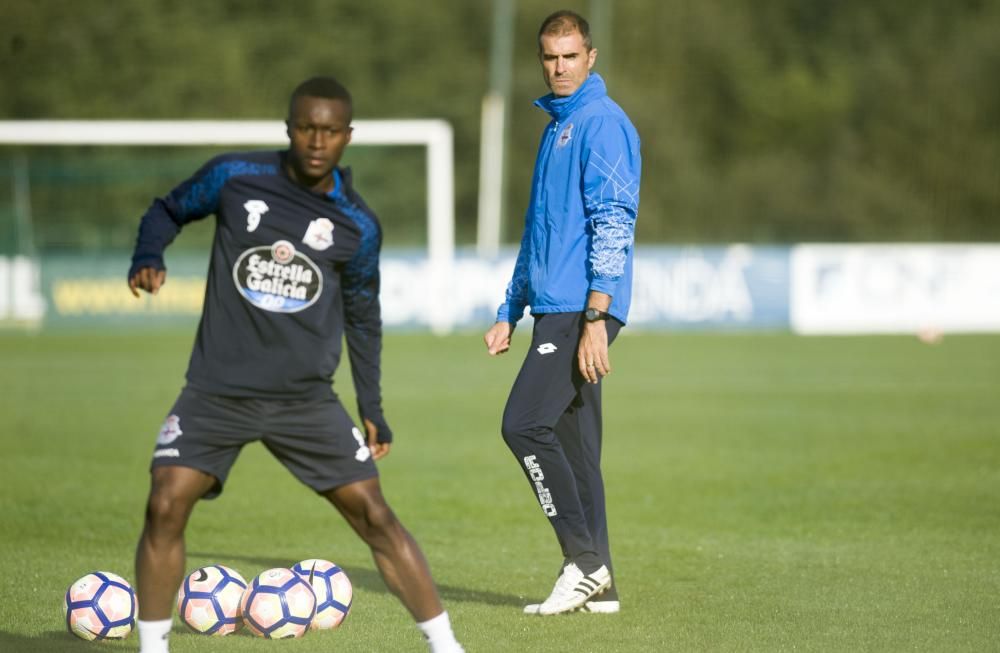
148,279
378,449
592,352
498,338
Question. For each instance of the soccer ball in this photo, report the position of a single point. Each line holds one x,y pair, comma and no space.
209,600
101,605
278,604
333,591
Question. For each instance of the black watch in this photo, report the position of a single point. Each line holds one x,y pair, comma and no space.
594,314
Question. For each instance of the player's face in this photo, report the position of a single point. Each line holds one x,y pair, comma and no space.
318,131
566,62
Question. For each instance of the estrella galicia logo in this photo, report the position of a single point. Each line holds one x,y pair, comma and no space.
278,278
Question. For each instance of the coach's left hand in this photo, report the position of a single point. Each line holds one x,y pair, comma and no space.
592,352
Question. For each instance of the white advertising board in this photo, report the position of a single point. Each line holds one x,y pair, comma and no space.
895,288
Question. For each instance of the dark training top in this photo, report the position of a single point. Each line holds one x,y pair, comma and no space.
291,272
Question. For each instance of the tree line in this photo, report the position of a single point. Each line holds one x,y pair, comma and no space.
771,122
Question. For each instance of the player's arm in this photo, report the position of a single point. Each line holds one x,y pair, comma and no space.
192,200
363,332
612,167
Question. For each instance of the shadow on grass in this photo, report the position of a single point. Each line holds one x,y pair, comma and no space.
54,641
370,580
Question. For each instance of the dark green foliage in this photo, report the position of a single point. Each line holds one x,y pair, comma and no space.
782,121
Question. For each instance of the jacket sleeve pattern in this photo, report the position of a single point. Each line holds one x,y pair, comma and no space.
363,318
516,298
194,199
611,200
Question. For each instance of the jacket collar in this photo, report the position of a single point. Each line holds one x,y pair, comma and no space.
593,88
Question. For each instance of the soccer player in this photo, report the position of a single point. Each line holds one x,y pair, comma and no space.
574,269
293,271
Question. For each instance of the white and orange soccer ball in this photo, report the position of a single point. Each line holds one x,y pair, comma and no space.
334,592
100,605
209,600
279,604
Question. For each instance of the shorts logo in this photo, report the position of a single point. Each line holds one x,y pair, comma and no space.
536,476
170,431
278,278
319,235
565,136
547,348
255,210
167,453
363,453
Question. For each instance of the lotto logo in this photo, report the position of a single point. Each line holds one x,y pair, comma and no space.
547,348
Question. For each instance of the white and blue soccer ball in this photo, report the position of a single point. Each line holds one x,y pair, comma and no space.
334,592
100,605
208,600
279,604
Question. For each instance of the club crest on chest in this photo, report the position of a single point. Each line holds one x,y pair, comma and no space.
319,235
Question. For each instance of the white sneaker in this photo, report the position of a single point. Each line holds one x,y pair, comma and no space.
573,589
595,607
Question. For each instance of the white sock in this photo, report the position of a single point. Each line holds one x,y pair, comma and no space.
439,634
153,636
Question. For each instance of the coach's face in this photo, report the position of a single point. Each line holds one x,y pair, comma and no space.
566,62
318,131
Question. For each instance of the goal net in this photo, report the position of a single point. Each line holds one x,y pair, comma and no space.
176,148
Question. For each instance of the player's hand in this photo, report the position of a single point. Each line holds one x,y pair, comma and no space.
379,449
498,338
148,279
592,352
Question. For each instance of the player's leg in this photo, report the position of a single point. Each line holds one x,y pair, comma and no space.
546,385
398,558
159,556
317,441
397,555
196,447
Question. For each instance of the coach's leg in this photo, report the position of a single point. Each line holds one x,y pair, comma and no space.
579,432
397,555
545,387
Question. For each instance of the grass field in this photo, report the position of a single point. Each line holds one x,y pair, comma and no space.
766,493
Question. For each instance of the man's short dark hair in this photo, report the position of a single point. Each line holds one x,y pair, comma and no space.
565,22
323,87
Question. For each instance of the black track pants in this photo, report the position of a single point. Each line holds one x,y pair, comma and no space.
552,424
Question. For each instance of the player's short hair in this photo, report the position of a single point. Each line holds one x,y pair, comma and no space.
323,87
565,22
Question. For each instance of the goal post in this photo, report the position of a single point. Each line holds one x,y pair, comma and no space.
434,134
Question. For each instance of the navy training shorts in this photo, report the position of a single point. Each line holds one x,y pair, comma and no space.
314,438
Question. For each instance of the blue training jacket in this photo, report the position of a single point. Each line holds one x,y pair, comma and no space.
579,230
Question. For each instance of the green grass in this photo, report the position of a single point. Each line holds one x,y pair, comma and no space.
766,493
